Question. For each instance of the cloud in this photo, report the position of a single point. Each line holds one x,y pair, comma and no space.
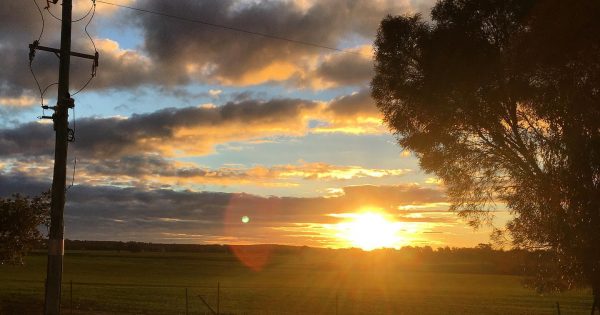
355,113
138,171
21,101
103,212
118,68
30,139
236,58
130,170
356,104
231,57
21,25
145,150
194,131
392,196
215,93
155,171
175,53
22,184
324,171
338,69
170,131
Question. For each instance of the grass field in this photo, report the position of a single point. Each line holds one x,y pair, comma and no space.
155,283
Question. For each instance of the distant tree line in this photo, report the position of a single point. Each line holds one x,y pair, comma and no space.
136,247
482,259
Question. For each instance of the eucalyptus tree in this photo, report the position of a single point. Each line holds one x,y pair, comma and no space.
500,99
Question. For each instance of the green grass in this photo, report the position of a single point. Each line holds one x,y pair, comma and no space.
155,283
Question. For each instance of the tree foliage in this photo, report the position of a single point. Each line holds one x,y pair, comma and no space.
500,99
20,220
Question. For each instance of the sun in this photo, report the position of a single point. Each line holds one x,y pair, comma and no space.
370,230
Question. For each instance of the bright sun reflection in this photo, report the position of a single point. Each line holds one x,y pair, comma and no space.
371,230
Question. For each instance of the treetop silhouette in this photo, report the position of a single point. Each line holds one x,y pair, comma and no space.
500,99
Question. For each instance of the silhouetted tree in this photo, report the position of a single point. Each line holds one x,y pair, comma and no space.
20,220
501,100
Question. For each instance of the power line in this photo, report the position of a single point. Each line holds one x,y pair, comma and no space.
32,54
95,64
230,28
47,8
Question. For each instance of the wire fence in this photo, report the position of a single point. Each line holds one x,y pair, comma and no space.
128,298
97,298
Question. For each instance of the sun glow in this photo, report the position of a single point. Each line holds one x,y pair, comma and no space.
371,230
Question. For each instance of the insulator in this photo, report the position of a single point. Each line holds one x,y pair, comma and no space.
70,135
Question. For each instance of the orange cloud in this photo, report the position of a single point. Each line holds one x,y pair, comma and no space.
275,71
241,124
138,171
20,101
326,171
195,131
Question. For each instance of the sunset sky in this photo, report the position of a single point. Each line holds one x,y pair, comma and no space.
189,128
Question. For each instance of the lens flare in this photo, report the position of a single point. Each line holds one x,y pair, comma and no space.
242,236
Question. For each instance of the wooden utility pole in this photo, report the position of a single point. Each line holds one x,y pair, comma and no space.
63,136
61,126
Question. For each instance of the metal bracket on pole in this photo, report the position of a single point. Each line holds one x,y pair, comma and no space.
69,102
35,45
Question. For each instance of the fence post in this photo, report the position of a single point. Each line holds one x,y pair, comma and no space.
71,293
186,301
558,307
218,296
